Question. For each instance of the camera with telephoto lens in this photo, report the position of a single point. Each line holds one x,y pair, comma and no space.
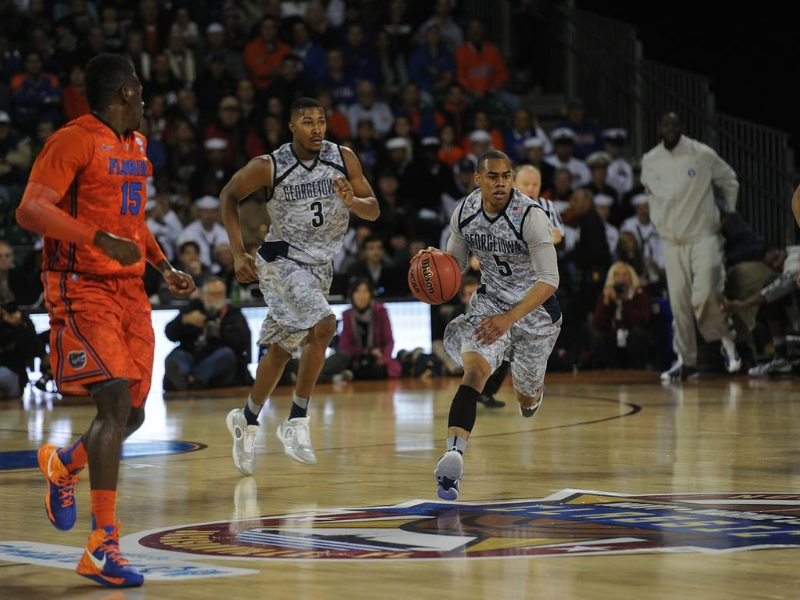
619,288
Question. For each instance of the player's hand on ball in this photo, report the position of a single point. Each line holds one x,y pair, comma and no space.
492,329
180,284
344,190
430,249
122,250
245,267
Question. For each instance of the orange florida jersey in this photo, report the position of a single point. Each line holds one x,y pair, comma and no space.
101,179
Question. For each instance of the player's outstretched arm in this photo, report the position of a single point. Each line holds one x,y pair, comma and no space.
356,192
254,175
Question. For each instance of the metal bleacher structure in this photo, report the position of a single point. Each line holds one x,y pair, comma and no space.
601,61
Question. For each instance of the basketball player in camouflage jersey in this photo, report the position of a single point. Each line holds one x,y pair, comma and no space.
312,185
513,315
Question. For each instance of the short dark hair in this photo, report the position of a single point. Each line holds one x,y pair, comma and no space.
369,239
301,104
357,282
186,244
489,155
105,75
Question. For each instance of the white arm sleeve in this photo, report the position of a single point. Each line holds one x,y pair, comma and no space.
538,234
457,245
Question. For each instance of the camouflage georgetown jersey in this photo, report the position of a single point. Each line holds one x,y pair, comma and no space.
308,220
506,270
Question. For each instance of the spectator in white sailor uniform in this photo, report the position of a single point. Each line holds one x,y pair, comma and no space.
534,150
598,164
620,172
679,174
480,141
564,143
205,230
642,227
604,204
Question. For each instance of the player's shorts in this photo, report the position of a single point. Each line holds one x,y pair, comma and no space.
100,329
296,296
527,345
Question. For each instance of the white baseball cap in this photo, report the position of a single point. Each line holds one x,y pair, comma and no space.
207,202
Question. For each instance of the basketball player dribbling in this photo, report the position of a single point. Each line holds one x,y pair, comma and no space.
312,186
86,196
513,315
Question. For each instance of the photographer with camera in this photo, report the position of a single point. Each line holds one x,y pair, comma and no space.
621,317
18,346
214,343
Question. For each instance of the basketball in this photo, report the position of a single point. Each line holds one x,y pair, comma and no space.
434,276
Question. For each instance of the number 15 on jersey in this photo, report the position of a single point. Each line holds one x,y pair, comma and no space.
131,197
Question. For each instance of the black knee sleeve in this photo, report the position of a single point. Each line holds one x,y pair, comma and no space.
463,410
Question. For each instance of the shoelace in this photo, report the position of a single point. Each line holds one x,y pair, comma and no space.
66,486
110,547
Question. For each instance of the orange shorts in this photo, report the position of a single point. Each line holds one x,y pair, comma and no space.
100,328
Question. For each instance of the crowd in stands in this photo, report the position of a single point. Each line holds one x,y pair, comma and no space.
414,88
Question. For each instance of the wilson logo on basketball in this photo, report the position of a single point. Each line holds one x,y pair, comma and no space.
568,523
434,277
427,275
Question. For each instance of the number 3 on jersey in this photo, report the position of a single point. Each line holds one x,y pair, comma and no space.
131,197
318,218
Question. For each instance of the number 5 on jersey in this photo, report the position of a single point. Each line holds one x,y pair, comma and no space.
502,266
318,218
131,197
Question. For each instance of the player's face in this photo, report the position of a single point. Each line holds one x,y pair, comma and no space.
529,182
671,129
495,181
135,102
308,129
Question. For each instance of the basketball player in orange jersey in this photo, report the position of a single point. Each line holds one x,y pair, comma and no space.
86,195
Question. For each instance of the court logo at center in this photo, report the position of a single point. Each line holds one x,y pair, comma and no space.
568,523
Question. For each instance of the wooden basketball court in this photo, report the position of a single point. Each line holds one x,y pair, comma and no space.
729,446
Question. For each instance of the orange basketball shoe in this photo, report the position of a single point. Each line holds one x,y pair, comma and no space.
60,499
103,562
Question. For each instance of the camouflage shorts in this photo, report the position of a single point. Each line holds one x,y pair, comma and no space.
296,296
527,345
